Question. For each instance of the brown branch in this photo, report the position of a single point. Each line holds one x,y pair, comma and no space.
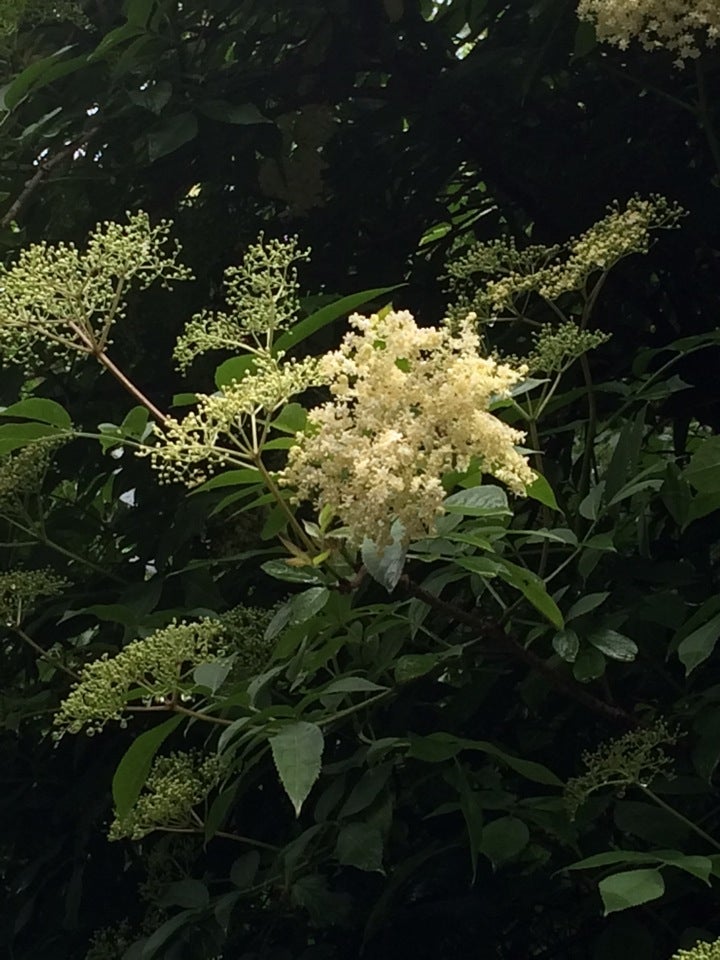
491,631
44,168
105,360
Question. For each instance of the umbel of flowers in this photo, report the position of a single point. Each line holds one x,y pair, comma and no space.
409,404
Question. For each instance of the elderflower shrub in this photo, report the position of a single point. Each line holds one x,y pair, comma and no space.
636,758
701,951
551,272
175,785
409,404
680,26
223,430
67,299
20,589
159,665
262,299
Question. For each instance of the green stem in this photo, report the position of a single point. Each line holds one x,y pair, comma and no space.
226,836
174,707
679,816
339,714
584,483
46,541
43,654
282,503
187,712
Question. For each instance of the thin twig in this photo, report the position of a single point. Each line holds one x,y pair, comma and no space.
105,360
44,168
227,836
43,654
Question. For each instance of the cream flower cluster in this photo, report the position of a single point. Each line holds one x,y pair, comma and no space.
220,431
680,26
158,665
409,404
175,785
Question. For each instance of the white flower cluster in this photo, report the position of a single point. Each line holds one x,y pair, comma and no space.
409,404
680,26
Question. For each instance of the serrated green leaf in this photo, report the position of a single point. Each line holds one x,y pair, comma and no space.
244,870
230,478
297,752
630,889
697,647
541,491
484,500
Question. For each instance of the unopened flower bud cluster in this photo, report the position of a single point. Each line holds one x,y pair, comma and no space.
555,348
701,951
409,404
159,665
638,757
245,638
218,432
67,299
262,299
551,272
175,785
681,26
22,473
19,590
